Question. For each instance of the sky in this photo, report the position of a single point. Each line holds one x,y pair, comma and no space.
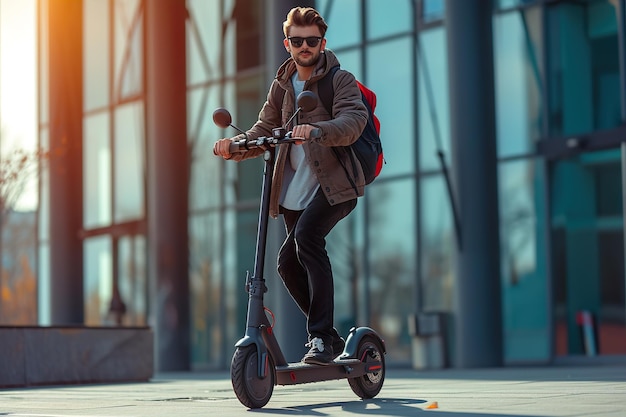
18,83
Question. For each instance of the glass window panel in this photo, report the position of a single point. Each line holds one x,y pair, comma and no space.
128,48
236,265
98,279
609,185
505,4
44,65
129,162
207,171
438,245
250,26
204,40
18,286
602,30
96,53
344,22
218,305
210,176
214,181
584,67
132,279
392,263
28,195
350,60
251,94
228,54
206,289
198,67
434,109
18,117
394,90
611,323
241,225
361,291
518,75
523,261
433,10
96,171
18,75
343,251
230,185
383,20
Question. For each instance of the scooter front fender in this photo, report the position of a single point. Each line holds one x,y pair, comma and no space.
253,337
354,338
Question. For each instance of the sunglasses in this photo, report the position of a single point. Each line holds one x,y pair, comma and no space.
312,41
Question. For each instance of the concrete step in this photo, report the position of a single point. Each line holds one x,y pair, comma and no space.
73,355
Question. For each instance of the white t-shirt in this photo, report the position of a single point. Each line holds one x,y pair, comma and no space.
300,183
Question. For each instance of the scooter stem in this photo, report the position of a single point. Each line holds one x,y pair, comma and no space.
261,239
258,331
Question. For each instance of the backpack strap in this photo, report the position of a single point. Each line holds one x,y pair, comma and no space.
279,96
326,94
325,90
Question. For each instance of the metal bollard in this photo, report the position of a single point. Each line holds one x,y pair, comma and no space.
587,325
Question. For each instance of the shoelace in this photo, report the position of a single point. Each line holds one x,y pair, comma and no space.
316,343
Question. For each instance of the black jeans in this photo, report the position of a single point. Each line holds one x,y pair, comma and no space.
303,262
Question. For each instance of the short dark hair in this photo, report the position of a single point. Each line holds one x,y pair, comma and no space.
304,16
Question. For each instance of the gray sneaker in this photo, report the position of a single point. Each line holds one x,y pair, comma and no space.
318,354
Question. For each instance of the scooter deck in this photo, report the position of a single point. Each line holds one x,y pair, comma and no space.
302,373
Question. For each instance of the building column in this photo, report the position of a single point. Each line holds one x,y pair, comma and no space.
167,182
477,321
65,48
621,31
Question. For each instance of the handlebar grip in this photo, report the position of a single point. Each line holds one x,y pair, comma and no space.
315,133
233,147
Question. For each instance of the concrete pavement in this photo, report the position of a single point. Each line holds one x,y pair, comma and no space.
598,390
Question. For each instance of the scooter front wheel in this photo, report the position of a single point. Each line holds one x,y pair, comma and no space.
370,384
251,390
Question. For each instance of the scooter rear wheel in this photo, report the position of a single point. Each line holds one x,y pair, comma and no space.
370,384
251,390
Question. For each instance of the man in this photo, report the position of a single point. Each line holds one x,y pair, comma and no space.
310,187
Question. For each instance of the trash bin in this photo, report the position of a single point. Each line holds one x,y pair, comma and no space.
428,341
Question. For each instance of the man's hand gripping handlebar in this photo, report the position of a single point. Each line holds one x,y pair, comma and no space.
307,101
226,147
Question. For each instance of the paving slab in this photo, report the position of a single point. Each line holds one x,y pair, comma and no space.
508,391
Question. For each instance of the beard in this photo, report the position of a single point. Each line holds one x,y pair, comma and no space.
309,60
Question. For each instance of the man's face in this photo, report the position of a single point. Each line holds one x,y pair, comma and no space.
305,55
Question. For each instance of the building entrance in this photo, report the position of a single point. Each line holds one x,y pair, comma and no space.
587,234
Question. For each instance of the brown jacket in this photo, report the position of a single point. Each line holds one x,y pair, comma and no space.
343,128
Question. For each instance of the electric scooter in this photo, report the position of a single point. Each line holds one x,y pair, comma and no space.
258,362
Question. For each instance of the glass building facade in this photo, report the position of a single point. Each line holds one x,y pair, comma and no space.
560,118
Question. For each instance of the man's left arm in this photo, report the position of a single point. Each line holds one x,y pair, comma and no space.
349,113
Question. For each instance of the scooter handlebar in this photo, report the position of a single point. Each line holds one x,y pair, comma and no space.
244,144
